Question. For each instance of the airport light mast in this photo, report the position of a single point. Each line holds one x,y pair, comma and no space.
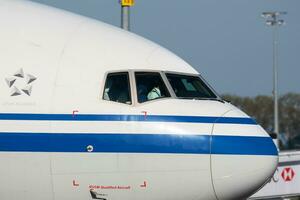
273,21
125,13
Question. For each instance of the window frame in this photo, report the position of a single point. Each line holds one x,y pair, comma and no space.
129,84
194,75
165,81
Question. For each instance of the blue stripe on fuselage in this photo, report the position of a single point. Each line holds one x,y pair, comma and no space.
244,145
112,117
136,143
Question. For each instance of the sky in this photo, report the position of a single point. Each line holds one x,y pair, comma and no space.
226,41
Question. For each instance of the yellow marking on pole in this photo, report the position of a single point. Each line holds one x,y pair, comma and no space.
127,2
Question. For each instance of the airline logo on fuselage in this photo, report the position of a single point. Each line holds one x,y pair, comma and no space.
20,83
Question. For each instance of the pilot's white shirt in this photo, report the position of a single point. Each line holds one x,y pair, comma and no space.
154,93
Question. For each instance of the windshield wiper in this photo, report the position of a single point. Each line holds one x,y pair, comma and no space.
210,99
204,98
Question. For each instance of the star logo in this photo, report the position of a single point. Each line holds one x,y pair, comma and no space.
20,83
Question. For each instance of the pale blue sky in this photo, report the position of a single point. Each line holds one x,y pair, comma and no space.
226,41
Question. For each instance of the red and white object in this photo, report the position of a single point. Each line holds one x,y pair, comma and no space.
286,180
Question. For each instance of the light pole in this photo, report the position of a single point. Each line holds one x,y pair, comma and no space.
273,21
125,13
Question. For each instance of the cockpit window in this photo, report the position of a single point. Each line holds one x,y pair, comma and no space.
117,88
189,87
149,86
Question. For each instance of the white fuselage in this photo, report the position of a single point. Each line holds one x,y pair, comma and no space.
60,140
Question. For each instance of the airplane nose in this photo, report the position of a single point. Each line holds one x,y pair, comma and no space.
243,156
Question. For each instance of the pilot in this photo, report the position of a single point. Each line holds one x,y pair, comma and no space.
107,90
154,93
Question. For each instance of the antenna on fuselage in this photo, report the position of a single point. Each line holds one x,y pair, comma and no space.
125,13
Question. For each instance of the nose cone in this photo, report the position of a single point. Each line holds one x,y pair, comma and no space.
243,156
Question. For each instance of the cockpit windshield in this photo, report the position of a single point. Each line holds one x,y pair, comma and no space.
190,87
